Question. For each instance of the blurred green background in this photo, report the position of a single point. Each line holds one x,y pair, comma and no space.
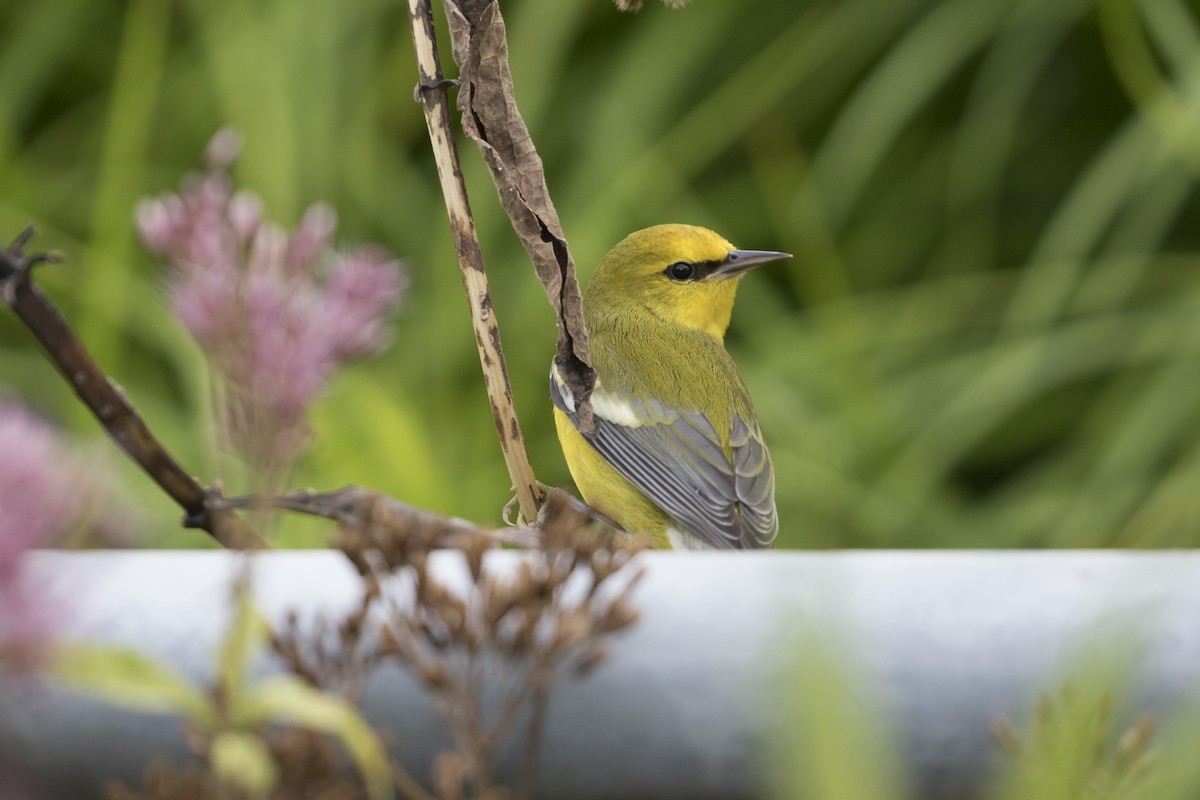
990,334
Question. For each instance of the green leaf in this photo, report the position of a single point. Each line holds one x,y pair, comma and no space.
287,699
1075,744
128,679
829,733
241,759
247,633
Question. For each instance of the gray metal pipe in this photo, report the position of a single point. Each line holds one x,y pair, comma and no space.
947,641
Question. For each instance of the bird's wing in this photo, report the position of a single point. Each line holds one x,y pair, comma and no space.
676,459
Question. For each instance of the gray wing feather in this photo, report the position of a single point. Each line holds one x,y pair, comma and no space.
679,463
754,483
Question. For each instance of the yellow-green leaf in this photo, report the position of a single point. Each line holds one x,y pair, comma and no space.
128,679
243,760
287,699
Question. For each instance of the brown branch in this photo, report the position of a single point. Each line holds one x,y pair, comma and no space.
431,92
357,508
489,116
108,404
379,517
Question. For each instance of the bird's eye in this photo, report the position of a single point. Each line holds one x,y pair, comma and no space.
680,271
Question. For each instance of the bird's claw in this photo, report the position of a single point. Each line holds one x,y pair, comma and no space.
507,513
514,505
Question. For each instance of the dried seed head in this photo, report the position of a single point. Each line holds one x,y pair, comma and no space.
420,566
433,674
571,629
523,640
601,564
619,616
430,593
497,602
593,658
387,642
475,636
473,550
454,618
562,565
526,588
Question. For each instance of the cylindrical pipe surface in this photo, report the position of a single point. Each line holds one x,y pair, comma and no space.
948,642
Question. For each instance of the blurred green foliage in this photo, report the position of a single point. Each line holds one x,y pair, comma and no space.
1088,738
990,334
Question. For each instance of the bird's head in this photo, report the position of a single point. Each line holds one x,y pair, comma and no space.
679,273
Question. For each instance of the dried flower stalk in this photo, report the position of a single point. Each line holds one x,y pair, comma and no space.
431,92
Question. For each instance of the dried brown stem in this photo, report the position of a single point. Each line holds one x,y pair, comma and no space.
542,681
408,785
431,92
357,508
108,404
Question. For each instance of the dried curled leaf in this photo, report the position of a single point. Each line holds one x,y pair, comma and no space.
490,117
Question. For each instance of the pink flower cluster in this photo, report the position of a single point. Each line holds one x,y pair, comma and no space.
42,491
275,311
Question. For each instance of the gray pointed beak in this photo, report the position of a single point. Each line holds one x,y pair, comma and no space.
738,261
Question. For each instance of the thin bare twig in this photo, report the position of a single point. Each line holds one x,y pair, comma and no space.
107,402
431,92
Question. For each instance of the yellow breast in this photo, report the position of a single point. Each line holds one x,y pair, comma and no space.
606,490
